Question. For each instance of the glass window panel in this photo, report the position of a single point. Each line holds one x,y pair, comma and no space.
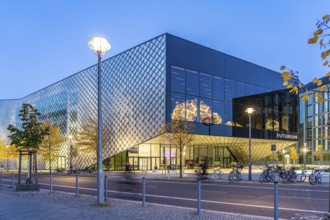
205,85
192,109
218,112
240,89
155,150
205,111
218,88
178,80
177,106
229,114
250,90
192,83
229,89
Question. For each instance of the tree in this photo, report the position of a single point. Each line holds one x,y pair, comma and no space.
87,137
32,133
293,154
7,151
291,78
319,153
51,144
179,133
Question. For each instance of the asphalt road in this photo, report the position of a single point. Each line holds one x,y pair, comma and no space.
295,200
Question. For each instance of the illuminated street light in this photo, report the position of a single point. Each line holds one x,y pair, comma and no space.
99,46
250,111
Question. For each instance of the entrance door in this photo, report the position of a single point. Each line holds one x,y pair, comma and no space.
143,164
61,163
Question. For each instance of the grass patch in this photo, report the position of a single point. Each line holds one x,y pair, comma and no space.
104,205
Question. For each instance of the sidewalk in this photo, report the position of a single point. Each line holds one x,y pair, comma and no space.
44,205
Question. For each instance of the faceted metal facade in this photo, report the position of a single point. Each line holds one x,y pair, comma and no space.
133,92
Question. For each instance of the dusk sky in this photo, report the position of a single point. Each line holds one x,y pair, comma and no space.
44,41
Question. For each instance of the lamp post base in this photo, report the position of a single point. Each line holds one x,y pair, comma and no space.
327,215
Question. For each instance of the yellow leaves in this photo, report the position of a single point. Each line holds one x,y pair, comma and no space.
323,88
286,76
285,83
305,98
318,32
294,90
317,82
313,40
289,86
325,17
324,54
328,74
318,97
283,67
301,86
325,63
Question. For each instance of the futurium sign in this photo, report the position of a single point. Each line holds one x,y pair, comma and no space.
287,136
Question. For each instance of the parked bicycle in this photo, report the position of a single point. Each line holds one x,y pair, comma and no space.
315,177
235,175
267,175
217,173
288,176
301,177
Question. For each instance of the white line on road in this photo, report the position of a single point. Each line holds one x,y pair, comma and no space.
297,197
254,187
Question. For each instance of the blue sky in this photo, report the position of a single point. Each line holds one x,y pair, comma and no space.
44,41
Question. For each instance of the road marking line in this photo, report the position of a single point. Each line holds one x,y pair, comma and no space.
213,191
254,187
208,201
297,197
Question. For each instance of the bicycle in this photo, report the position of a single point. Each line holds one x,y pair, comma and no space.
235,175
301,177
201,174
315,177
267,175
217,173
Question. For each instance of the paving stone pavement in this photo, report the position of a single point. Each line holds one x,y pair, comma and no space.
63,206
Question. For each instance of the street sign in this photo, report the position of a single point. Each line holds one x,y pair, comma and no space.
273,147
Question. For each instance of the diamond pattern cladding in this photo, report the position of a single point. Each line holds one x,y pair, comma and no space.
133,87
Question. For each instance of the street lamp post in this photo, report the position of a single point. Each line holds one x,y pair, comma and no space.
283,157
305,150
250,111
287,158
71,149
99,46
7,158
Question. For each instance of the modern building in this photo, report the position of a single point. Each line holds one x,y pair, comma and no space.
143,88
314,127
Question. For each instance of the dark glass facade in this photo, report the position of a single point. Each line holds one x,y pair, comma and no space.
274,113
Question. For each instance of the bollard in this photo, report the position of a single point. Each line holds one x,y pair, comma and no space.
275,200
12,180
77,192
51,183
105,188
1,178
199,190
143,191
